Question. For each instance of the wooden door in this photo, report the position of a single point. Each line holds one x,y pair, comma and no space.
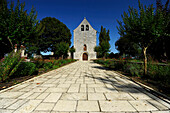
85,56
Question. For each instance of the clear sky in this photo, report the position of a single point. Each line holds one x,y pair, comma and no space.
97,12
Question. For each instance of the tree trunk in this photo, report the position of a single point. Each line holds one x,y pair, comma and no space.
145,60
72,55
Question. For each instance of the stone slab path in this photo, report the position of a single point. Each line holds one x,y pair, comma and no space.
79,87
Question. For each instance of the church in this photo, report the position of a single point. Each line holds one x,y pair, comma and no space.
84,41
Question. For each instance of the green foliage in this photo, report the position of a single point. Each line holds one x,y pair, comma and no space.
143,27
56,63
16,25
128,47
72,50
156,72
47,65
55,66
56,34
34,44
25,68
118,65
100,61
9,65
61,49
39,64
4,40
12,66
160,49
133,69
104,44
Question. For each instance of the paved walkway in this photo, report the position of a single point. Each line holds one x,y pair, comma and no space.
79,87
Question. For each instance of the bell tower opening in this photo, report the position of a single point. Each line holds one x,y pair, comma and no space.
85,47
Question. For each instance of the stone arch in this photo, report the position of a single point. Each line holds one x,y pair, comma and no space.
85,57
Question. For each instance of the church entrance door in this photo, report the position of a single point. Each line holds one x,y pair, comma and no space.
85,56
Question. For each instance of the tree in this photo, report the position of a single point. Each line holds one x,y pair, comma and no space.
98,49
55,35
34,44
127,47
159,50
104,44
6,46
72,50
62,50
111,55
143,27
16,24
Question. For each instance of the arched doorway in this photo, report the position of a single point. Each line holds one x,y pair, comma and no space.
85,56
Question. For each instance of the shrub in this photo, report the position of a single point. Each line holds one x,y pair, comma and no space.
99,61
133,69
39,63
9,65
155,72
152,70
56,62
55,66
112,65
160,73
106,63
25,68
63,61
119,65
69,60
48,65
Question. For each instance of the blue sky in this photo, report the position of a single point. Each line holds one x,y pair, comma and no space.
97,12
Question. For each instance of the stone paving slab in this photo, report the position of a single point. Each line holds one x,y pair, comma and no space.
80,87
17,104
116,106
63,105
74,96
143,106
4,103
88,106
52,97
28,107
45,107
10,94
119,96
96,96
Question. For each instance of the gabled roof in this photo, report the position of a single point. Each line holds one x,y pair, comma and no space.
84,21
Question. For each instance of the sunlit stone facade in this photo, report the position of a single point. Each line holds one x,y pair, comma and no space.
84,41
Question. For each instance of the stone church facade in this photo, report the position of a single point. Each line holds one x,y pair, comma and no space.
84,41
